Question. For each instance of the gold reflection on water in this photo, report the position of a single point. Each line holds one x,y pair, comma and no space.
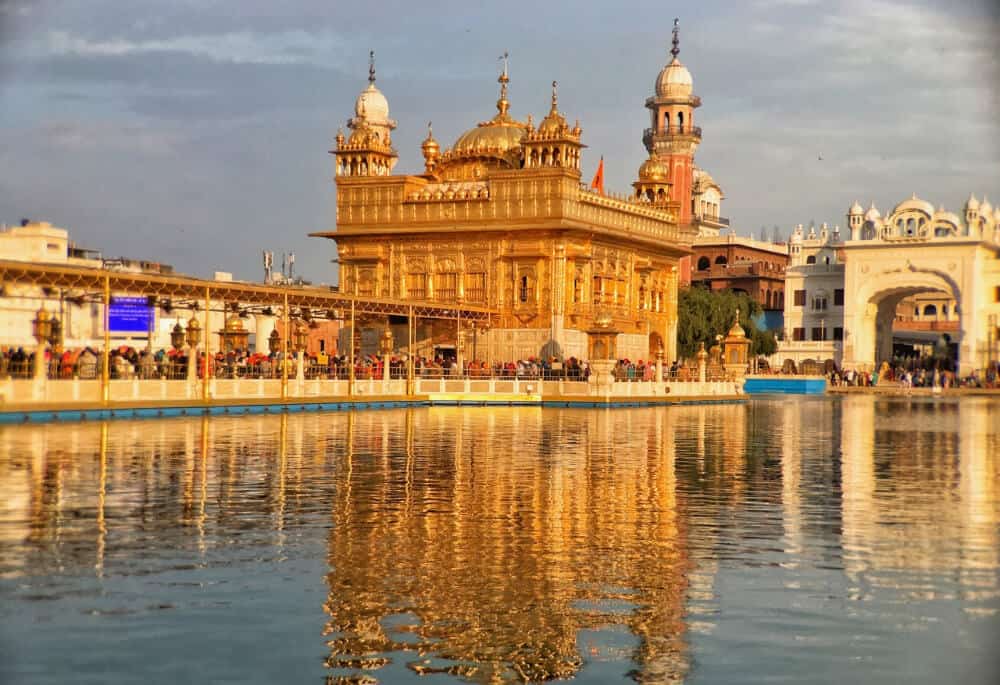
499,540
497,543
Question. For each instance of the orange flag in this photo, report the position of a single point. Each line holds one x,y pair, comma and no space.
598,182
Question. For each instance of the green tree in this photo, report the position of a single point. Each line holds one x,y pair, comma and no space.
703,314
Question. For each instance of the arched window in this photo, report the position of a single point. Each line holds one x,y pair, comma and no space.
930,310
680,121
446,281
704,263
811,259
525,289
642,297
475,283
721,259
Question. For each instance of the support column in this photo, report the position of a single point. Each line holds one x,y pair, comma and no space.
350,370
284,350
106,354
459,347
263,325
40,374
208,345
409,352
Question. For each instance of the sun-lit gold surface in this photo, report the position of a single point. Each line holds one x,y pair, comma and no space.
500,219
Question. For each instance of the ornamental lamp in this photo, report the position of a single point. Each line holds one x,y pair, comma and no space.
193,332
41,326
177,336
55,333
386,342
274,341
300,335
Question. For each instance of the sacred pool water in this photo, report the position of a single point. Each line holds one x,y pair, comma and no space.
821,541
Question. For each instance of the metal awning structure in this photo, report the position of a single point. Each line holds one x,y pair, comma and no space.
93,283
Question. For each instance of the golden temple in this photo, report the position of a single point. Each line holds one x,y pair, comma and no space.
501,219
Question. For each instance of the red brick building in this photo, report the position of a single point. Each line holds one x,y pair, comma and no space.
742,264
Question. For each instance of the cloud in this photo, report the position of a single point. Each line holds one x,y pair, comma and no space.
75,137
292,47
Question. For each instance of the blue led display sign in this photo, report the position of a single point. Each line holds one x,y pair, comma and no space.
130,315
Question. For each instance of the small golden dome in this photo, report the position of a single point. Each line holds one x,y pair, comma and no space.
554,121
737,330
653,170
234,323
430,146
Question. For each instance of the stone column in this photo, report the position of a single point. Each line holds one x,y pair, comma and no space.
40,375
702,363
300,367
263,325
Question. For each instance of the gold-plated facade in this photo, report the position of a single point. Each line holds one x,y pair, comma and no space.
501,220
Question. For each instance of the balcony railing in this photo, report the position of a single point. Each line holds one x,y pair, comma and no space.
672,131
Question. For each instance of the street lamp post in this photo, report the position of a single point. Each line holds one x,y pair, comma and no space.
386,344
41,328
300,338
177,342
193,337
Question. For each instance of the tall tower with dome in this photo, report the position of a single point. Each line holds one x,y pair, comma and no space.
672,137
672,140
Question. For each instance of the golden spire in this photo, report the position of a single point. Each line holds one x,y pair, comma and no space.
555,98
502,104
676,50
431,150
371,66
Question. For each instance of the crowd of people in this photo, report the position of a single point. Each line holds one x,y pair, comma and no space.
127,363
917,374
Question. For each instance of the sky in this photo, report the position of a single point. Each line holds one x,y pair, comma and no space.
196,132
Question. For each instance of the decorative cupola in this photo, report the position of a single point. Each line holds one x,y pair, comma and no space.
368,151
855,218
653,185
554,143
431,150
971,210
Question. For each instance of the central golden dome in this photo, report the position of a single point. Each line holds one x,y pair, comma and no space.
491,143
495,137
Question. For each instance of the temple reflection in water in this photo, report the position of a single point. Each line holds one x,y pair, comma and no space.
521,543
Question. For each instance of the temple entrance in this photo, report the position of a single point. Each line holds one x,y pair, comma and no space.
898,317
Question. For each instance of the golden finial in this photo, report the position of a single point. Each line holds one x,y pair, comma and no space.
371,66
340,136
555,96
502,104
676,50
